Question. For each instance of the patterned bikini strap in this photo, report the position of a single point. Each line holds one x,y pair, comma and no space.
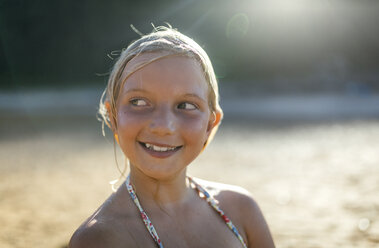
145,218
211,201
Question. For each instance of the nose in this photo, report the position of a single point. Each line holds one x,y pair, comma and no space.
163,122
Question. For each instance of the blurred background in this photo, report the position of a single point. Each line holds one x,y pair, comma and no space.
299,85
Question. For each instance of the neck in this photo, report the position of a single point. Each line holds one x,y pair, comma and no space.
163,192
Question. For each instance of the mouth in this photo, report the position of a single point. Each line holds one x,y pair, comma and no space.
159,151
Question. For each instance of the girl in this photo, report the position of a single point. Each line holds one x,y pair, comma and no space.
161,103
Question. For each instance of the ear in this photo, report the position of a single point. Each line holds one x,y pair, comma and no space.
214,121
112,119
112,125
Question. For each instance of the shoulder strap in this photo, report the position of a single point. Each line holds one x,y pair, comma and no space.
211,201
145,218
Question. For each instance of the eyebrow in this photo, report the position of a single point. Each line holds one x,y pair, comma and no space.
195,96
136,90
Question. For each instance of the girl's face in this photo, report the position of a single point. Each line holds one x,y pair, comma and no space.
163,116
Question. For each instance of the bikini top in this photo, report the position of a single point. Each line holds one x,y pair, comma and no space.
211,201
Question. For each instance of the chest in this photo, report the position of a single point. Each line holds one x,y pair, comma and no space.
198,226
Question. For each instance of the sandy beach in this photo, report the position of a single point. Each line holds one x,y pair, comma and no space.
317,183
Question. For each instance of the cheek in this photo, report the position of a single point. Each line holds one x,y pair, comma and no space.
127,126
195,128
128,118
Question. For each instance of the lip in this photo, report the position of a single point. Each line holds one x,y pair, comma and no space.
157,154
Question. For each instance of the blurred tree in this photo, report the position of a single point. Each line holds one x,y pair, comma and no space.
257,44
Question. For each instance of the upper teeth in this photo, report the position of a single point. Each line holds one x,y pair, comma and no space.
159,148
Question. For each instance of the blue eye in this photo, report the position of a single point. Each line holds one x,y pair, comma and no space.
187,106
138,102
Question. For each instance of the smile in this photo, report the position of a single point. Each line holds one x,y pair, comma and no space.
160,148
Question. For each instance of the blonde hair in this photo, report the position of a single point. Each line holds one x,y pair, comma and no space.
162,39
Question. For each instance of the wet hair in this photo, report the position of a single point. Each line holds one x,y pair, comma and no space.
165,41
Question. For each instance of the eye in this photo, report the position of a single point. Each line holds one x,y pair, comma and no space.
138,102
187,106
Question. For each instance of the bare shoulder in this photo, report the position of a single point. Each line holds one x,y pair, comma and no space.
92,234
102,229
243,210
226,193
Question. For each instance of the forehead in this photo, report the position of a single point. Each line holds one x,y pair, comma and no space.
174,72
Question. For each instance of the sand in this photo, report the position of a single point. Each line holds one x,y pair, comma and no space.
317,183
